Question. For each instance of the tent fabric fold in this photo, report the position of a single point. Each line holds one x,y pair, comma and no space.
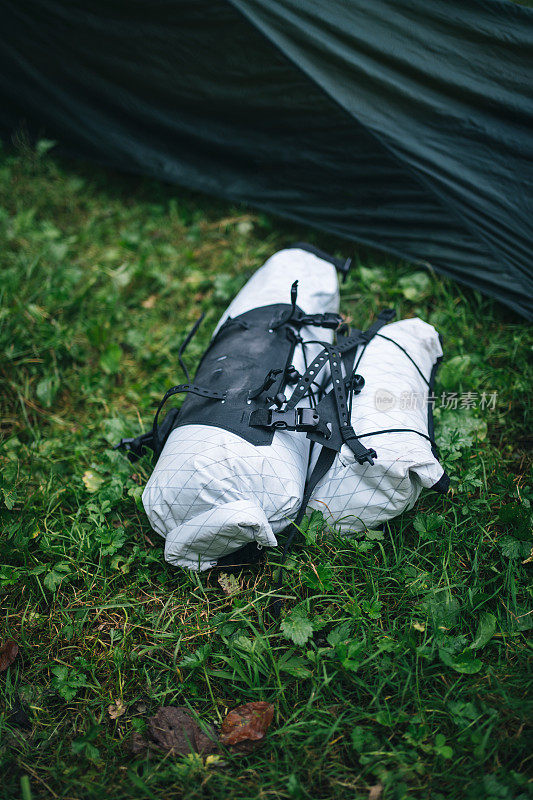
399,124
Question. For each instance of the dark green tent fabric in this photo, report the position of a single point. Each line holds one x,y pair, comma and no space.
402,124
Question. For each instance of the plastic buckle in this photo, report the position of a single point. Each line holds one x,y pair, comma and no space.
308,419
296,419
327,320
134,448
332,320
124,443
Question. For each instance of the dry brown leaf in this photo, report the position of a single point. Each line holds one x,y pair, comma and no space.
150,301
116,709
8,653
375,792
172,729
245,727
229,584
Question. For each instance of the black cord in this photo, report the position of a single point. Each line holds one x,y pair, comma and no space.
312,399
397,430
415,365
184,345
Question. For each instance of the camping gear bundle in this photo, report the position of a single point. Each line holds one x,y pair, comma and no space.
290,409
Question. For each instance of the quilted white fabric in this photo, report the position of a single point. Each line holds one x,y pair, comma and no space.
211,491
394,396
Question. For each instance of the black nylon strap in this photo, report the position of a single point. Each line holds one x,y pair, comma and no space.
350,342
192,388
341,265
299,319
348,435
363,337
331,400
180,389
347,344
310,375
385,316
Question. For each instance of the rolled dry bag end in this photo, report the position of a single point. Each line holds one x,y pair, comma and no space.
199,543
393,415
221,483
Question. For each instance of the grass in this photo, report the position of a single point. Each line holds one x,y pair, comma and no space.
401,660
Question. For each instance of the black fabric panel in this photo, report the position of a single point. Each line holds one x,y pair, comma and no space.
445,87
236,362
399,124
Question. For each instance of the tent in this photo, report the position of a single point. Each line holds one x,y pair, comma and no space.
401,124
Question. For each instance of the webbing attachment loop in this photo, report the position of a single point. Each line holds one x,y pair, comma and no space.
362,454
267,383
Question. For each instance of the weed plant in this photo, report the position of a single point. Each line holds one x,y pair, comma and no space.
400,661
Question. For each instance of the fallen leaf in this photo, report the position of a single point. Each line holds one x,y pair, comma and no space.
150,301
173,730
116,709
92,480
375,792
229,584
8,653
245,727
